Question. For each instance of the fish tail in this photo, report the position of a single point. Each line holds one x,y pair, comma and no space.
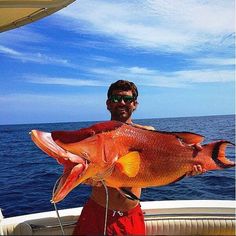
216,151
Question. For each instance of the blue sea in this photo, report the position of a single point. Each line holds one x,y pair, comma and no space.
27,175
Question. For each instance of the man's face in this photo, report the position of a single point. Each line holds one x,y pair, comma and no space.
121,110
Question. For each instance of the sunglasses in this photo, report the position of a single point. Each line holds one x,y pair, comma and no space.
118,98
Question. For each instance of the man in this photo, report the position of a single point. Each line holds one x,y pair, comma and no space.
125,216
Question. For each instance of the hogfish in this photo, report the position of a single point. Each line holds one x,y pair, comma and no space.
127,156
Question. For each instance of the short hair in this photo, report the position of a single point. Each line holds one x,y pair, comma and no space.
124,85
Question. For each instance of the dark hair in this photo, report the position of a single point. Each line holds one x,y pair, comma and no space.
124,85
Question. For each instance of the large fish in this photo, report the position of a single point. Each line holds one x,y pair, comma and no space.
127,156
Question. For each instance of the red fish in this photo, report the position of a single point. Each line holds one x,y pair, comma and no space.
127,156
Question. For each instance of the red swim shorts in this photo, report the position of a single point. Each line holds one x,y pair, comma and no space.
92,218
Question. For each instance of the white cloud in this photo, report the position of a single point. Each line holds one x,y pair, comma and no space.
141,76
180,78
46,100
9,51
140,70
34,57
209,17
181,25
21,36
102,59
204,76
216,61
39,79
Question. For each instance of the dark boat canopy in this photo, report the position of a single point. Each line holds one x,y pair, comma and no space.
15,13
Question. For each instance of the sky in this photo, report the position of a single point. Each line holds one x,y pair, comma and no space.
180,54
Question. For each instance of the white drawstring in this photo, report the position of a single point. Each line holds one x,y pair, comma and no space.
106,212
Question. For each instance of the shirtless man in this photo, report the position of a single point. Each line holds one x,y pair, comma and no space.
125,216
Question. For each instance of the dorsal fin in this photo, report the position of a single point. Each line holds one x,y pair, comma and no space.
186,137
81,134
72,136
106,126
189,138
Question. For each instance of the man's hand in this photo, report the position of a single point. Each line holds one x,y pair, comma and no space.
198,146
197,170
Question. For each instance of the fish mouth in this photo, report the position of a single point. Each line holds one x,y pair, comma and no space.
45,142
67,182
74,165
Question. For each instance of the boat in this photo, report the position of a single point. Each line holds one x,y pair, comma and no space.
179,217
16,13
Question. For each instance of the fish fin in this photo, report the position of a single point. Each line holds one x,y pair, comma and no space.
81,134
128,194
106,126
71,136
189,138
129,164
218,154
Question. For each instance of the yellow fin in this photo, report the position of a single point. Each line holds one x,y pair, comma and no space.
129,164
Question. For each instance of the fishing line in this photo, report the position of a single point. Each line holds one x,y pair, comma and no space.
57,212
54,204
106,212
59,219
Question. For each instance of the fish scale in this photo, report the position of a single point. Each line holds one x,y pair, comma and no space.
128,156
160,160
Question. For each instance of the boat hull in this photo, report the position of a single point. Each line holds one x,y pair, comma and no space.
183,217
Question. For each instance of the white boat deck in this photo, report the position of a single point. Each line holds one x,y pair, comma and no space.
182,217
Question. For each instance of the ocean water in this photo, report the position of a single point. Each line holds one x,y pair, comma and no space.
27,175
